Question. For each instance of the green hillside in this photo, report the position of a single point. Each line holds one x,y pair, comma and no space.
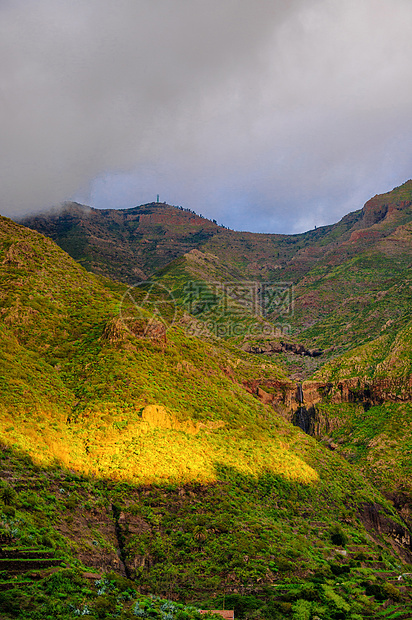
124,244
138,453
146,431
350,280
70,354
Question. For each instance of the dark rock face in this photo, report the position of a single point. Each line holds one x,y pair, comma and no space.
305,419
311,421
128,527
297,402
301,399
273,347
374,518
79,531
374,392
356,390
273,392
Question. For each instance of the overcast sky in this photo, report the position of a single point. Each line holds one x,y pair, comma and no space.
267,115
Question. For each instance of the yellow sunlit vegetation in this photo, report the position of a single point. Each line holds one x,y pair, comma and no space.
151,446
80,389
124,446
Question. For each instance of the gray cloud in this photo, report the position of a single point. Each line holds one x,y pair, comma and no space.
264,114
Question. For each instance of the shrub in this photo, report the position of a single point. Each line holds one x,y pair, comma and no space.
29,501
8,495
9,511
392,592
105,606
284,565
62,581
285,607
72,503
376,590
302,610
183,615
10,603
340,569
46,541
338,536
241,604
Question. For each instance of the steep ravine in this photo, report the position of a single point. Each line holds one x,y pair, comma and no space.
301,403
293,396
117,515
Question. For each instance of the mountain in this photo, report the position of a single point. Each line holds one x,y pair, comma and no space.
346,298
124,244
349,280
146,450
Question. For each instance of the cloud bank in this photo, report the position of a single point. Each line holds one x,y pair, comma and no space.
264,114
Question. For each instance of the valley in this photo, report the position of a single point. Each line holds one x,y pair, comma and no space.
197,418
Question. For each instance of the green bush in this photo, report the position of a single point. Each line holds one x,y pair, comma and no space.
340,569
11,602
284,565
30,501
105,606
377,590
302,610
65,580
46,541
9,511
7,495
182,615
392,592
241,604
338,536
72,502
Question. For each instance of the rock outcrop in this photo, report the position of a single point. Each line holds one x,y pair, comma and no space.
274,392
374,518
297,401
273,347
358,390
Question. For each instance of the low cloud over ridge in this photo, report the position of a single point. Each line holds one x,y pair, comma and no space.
266,115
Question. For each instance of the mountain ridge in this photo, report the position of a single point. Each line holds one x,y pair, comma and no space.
170,458
134,222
